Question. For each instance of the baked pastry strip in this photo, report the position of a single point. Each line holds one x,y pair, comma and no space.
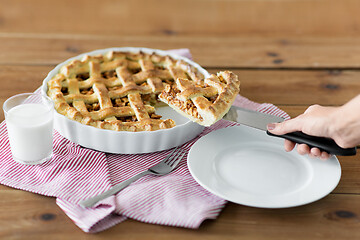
204,103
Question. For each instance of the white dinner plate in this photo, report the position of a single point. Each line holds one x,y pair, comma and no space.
246,166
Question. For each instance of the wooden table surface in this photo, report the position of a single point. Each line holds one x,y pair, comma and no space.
292,53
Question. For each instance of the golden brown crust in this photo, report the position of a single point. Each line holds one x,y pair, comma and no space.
113,91
203,102
117,91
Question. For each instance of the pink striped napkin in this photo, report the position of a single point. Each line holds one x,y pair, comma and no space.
76,173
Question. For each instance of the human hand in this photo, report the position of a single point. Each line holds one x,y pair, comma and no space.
342,124
316,121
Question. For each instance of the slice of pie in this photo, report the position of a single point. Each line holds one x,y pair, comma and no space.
205,101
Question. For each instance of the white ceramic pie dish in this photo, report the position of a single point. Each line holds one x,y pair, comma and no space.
127,142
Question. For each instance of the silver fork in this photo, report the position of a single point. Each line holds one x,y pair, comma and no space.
164,167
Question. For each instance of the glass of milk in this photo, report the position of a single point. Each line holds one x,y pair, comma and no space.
29,121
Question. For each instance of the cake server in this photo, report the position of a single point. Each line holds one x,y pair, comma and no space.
261,120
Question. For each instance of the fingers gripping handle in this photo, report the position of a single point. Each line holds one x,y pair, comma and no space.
324,144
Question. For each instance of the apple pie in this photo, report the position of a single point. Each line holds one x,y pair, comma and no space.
205,101
121,90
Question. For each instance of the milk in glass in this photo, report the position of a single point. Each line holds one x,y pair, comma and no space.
30,129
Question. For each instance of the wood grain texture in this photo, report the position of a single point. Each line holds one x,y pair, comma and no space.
334,217
185,17
280,52
294,87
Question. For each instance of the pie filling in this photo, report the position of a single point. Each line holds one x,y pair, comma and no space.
92,107
170,94
82,76
64,91
108,74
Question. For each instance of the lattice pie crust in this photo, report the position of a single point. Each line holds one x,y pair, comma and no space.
205,101
120,91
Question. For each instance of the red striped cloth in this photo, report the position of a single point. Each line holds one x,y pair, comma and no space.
76,173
